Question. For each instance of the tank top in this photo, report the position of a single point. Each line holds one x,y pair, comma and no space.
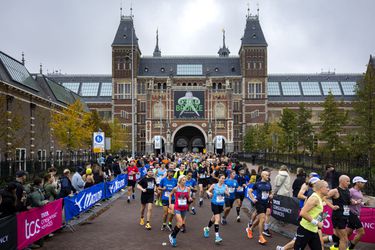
343,202
314,213
181,199
307,193
218,197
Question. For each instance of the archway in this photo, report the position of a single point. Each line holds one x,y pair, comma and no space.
189,139
220,150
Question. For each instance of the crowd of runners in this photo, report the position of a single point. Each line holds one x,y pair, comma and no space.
183,181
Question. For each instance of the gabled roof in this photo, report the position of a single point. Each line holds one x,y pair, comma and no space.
212,66
124,33
253,35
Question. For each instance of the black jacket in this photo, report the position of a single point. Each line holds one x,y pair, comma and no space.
8,203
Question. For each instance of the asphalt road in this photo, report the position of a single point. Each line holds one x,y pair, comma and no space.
118,228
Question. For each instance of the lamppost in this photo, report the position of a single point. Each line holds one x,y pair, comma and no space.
160,122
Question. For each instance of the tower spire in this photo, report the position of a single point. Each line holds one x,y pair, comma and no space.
157,52
121,10
248,10
23,58
131,9
223,38
258,8
224,51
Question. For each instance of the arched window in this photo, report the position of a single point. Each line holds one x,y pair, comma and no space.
219,86
220,110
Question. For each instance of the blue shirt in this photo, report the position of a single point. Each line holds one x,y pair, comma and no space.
232,186
218,197
262,190
169,184
191,183
241,180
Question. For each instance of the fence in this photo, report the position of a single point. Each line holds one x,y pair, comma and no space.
345,164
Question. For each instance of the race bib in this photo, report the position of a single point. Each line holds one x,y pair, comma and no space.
150,185
158,179
265,195
167,193
346,210
131,177
231,190
240,189
220,198
182,201
138,175
202,176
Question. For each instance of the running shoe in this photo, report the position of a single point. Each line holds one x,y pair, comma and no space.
249,233
218,240
148,226
193,212
142,222
206,232
279,248
238,218
128,201
200,203
183,229
172,240
163,227
333,248
133,196
169,227
267,232
249,224
223,221
262,240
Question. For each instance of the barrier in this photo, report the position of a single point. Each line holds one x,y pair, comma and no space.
114,186
285,209
38,222
8,232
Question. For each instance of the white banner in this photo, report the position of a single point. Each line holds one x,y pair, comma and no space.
98,141
157,142
219,142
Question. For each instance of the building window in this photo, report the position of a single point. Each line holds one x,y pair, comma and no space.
143,147
142,106
42,158
255,90
59,157
21,158
254,114
141,119
237,119
123,91
141,88
124,114
237,106
142,133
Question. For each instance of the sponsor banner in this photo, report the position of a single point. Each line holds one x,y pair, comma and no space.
8,233
114,186
367,220
38,222
189,104
285,209
74,205
157,142
219,142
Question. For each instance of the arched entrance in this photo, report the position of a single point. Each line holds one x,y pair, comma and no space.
189,139
221,149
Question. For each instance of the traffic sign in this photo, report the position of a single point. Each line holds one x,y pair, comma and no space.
98,142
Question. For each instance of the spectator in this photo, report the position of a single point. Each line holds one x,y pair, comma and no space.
77,181
332,176
253,176
116,168
8,205
98,173
89,178
101,160
298,182
66,185
282,182
21,191
50,189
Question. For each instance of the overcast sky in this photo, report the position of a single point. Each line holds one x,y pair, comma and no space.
75,36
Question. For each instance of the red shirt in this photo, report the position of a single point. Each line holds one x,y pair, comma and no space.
132,171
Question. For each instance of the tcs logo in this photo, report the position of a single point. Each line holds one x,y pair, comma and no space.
32,228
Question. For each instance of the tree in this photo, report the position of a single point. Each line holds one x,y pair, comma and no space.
333,121
72,128
120,139
364,107
288,124
305,135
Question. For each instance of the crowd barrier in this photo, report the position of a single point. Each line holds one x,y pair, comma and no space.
286,209
21,230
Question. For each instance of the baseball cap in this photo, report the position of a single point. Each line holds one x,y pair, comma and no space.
314,180
359,179
20,173
313,174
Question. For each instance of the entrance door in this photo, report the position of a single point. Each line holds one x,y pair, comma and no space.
189,139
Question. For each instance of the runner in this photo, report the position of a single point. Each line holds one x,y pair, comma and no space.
147,186
263,193
203,180
311,213
160,173
132,171
166,186
232,187
242,181
340,217
192,184
180,171
217,192
355,209
182,197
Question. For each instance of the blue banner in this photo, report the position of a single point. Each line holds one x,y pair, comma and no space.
81,202
114,186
